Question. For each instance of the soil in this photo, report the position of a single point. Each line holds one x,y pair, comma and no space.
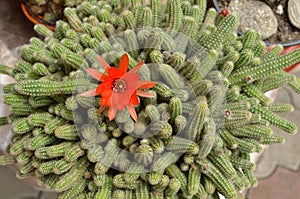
286,32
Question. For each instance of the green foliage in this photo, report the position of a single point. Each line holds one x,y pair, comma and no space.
193,139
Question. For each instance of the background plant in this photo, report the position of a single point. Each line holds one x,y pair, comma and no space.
51,10
210,112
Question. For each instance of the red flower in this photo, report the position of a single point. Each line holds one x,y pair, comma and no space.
225,12
118,88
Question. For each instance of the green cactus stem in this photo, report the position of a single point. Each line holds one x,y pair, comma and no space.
192,139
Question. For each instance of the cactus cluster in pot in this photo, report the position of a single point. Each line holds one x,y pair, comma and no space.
189,135
50,10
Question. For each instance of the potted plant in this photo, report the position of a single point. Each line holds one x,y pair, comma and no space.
284,32
139,100
46,12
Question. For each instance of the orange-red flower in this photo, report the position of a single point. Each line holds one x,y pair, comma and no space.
118,88
225,12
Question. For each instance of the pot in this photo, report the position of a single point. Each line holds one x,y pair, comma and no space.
284,44
36,19
288,46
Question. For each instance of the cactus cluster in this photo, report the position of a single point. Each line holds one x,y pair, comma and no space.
192,140
50,10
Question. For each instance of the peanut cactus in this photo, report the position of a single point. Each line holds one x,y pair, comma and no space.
50,10
194,136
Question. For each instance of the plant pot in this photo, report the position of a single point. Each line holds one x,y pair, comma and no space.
288,46
36,19
284,44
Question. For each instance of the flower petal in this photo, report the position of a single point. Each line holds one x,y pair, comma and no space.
124,64
119,101
105,101
112,111
137,67
114,73
106,93
132,112
134,99
90,93
131,79
145,84
94,73
101,109
144,94
102,61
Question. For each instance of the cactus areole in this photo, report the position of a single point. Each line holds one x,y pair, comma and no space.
131,99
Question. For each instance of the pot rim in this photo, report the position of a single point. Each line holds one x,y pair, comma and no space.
284,44
33,18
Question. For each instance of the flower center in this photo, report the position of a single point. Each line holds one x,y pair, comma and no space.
119,86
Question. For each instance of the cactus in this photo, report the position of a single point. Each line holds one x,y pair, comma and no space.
191,139
50,11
